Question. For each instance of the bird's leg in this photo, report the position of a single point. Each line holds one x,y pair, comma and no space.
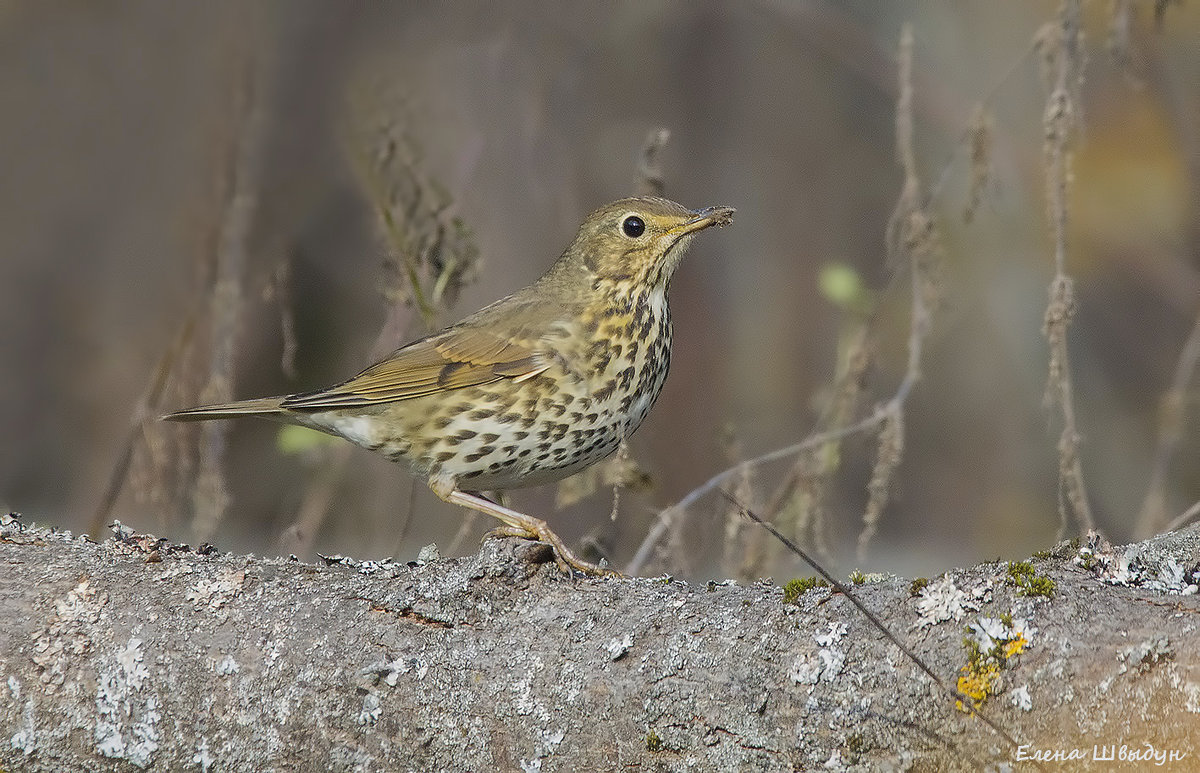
518,525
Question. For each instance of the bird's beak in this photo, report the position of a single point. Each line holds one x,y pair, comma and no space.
703,218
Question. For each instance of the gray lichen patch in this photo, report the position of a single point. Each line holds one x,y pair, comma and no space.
127,725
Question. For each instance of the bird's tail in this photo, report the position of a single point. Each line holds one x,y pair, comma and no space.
265,406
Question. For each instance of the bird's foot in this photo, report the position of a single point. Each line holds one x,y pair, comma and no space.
519,525
566,560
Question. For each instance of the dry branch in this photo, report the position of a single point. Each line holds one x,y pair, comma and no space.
1061,48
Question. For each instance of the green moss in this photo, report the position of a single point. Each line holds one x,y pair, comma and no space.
1040,586
857,577
653,742
1022,575
1043,554
974,654
1019,572
799,586
918,585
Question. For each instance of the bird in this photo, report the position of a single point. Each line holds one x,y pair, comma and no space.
530,389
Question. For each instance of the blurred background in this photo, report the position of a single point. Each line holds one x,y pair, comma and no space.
301,156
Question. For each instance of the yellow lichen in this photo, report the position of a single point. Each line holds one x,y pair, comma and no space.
1015,646
979,681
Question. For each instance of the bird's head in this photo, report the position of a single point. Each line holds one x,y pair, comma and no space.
637,243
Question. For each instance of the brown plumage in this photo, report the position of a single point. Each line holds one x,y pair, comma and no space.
530,389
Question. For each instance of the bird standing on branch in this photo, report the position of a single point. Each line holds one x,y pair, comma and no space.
530,389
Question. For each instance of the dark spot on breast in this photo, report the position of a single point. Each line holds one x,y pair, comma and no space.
509,418
445,456
520,434
442,422
466,434
489,437
482,413
605,391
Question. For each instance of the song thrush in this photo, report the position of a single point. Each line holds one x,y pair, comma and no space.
529,389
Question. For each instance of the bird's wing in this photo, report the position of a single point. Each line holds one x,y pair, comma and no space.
459,357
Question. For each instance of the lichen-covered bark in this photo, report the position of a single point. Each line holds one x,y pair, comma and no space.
134,654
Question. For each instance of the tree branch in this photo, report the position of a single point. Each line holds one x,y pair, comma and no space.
141,651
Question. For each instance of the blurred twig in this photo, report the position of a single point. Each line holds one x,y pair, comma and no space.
433,254
649,180
464,531
222,259
1184,517
328,469
914,239
247,115
668,517
802,496
145,410
980,138
280,291
1172,415
743,548
1061,49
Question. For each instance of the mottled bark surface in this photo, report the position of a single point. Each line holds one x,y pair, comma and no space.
131,654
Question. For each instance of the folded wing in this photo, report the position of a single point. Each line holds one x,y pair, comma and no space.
456,358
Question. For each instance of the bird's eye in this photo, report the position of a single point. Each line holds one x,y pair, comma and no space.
633,226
